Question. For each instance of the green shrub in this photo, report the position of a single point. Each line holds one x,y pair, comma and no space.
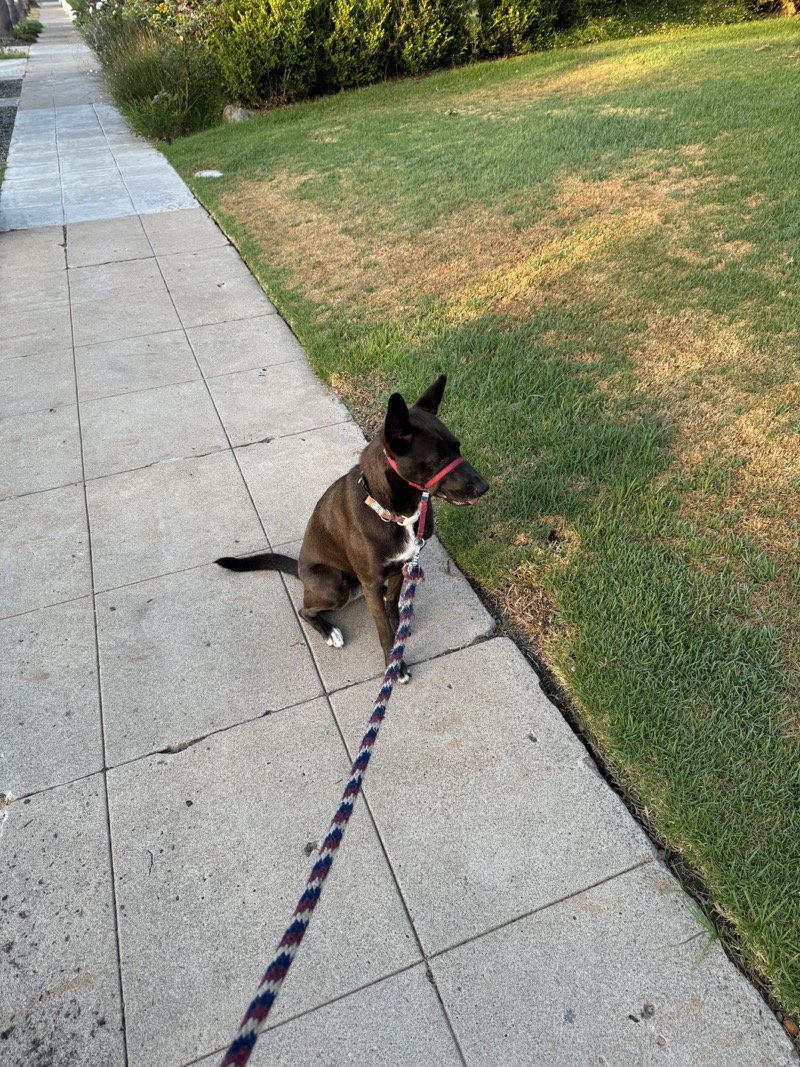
576,12
429,34
513,27
27,30
266,49
165,84
358,46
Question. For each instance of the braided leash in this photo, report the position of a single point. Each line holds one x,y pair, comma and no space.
253,1022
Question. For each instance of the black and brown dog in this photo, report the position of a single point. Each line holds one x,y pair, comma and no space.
362,530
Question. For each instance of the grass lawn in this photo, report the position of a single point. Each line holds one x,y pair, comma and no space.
601,247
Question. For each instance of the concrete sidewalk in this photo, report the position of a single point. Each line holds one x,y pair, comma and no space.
174,743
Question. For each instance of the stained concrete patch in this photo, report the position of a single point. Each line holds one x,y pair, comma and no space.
211,852
189,653
169,517
469,789
395,1023
49,702
58,970
617,975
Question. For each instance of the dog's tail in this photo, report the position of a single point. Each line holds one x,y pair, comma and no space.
265,561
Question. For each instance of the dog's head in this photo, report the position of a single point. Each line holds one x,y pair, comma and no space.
422,446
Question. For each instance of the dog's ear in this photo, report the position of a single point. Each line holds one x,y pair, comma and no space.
432,397
397,429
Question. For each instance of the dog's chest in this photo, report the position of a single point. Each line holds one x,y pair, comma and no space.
406,549
403,547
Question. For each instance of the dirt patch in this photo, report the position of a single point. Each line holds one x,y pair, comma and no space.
530,607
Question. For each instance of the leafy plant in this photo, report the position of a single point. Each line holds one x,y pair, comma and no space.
513,27
358,47
430,34
266,49
27,30
167,84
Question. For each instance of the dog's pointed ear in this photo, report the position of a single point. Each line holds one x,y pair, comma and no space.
432,397
397,429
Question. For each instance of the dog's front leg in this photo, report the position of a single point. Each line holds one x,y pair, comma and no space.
374,596
392,598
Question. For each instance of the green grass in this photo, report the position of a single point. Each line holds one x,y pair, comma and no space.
600,247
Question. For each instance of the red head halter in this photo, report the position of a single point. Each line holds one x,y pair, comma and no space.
424,489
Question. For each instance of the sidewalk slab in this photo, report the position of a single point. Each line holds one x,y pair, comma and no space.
19,291
210,858
123,433
41,450
35,381
170,232
248,344
483,823
216,264
49,701
395,1023
117,240
209,300
44,545
168,517
190,653
287,476
59,970
617,975
111,368
274,402
40,329
132,304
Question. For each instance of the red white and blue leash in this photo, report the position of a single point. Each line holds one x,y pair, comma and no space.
256,1016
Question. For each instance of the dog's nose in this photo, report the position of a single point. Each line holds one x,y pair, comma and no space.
479,486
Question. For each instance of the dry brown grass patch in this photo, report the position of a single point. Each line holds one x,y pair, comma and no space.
471,261
363,394
585,79
705,374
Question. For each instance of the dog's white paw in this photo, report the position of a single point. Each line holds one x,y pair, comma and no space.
335,637
404,675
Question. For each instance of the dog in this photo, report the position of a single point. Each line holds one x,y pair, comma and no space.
361,531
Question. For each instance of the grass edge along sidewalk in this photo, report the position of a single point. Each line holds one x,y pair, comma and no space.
599,247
